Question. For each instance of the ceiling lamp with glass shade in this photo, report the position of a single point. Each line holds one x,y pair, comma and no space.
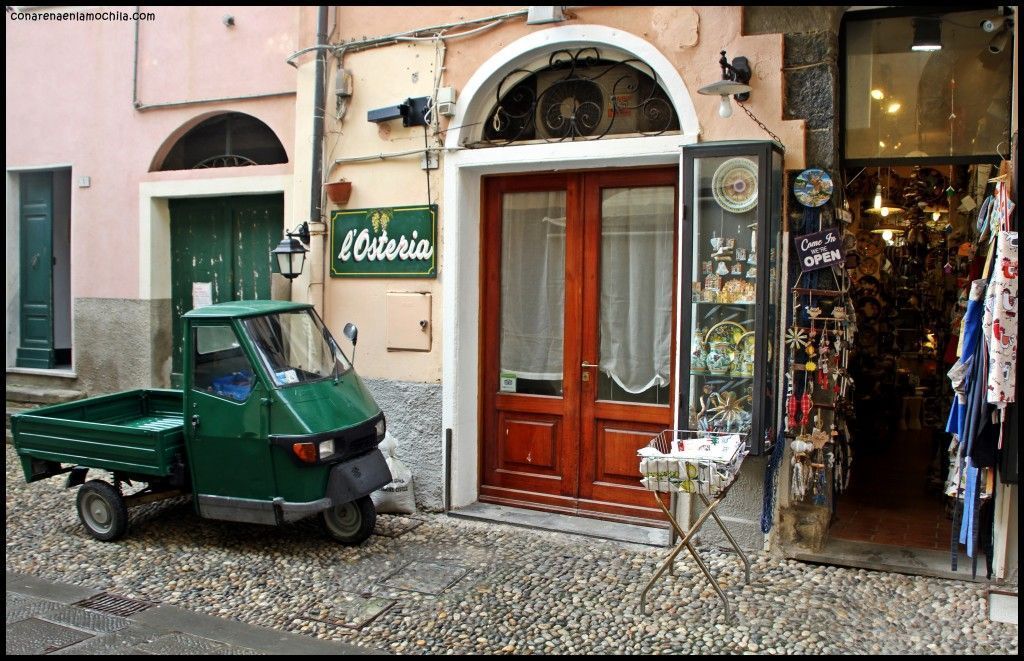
882,205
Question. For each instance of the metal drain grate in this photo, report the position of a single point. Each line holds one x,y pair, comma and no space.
114,604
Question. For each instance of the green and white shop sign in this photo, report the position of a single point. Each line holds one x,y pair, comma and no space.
388,242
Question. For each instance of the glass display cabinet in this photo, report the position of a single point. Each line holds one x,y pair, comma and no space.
730,247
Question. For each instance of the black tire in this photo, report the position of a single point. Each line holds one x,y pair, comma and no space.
102,511
351,523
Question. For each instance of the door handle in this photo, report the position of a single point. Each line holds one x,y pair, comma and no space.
195,423
586,375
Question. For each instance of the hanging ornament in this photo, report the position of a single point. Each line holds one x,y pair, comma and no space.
796,338
805,406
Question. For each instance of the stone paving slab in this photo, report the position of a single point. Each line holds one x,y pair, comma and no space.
176,644
118,643
345,609
426,577
83,618
22,607
34,636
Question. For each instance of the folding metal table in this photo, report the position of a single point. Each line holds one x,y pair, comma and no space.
709,475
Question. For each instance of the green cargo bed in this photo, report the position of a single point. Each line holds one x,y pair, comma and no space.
136,433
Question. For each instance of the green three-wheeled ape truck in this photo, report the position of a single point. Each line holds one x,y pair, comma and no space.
272,425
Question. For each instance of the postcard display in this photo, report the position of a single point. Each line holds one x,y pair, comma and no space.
729,314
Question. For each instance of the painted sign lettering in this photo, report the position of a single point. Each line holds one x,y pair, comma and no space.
392,242
821,249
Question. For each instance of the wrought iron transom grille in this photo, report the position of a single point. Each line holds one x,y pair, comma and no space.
578,96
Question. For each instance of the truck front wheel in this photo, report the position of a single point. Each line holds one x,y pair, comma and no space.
350,523
102,511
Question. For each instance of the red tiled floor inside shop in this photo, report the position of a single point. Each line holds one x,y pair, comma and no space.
891,500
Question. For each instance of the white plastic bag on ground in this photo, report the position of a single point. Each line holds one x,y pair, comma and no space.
396,497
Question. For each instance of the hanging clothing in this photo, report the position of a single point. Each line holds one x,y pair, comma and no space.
1000,321
961,370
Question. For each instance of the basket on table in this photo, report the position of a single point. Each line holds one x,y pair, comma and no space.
691,461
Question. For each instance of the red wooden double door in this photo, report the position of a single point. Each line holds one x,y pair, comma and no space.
578,336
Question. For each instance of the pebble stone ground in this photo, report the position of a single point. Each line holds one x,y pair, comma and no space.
429,583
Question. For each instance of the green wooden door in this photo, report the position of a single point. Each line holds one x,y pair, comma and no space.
36,255
220,245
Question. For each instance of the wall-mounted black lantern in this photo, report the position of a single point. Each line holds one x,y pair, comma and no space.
291,252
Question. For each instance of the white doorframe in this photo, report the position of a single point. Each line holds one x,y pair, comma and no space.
463,170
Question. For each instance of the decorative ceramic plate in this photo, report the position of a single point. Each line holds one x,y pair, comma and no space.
868,285
735,185
869,307
869,245
869,266
813,187
725,331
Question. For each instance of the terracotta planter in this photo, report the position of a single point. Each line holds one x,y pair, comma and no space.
339,191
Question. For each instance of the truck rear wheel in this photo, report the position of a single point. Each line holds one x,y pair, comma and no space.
351,523
102,511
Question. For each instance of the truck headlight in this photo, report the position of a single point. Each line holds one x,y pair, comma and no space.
326,449
381,428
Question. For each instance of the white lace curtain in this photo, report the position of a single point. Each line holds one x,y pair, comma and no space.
636,285
533,284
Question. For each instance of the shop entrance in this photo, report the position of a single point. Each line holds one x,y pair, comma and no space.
577,300
911,262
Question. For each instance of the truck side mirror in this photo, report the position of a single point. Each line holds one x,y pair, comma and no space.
351,332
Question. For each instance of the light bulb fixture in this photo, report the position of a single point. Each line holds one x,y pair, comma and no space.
290,254
894,107
877,95
936,215
725,107
735,77
881,205
887,236
927,34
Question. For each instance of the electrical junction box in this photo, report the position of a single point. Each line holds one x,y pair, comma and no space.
408,324
445,101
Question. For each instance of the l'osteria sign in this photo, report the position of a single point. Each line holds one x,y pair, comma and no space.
389,242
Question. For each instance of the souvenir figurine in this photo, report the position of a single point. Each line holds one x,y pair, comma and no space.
737,269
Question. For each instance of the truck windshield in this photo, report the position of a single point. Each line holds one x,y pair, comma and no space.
296,347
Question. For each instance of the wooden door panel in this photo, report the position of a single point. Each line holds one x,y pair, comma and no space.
528,444
617,462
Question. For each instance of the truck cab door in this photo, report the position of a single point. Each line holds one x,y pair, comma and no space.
225,427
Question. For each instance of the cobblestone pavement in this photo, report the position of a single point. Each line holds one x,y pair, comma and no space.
429,583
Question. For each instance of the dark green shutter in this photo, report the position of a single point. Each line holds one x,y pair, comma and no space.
36,255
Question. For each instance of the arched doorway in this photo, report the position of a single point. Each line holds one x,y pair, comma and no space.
219,236
472,377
